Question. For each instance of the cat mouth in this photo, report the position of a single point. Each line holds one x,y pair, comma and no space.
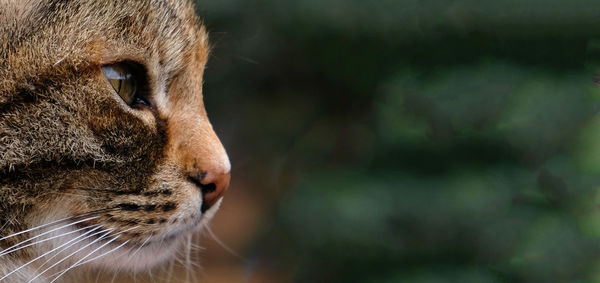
97,246
128,244
136,237
172,233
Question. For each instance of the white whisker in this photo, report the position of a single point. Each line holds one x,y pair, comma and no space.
170,270
44,240
104,254
190,275
187,259
223,245
83,258
74,195
3,226
115,273
45,225
43,255
106,232
141,246
8,250
73,242
60,60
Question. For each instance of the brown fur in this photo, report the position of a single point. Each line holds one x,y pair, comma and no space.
69,146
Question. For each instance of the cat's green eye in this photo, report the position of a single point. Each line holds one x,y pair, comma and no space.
122,78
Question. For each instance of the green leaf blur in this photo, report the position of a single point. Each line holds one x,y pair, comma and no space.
412,141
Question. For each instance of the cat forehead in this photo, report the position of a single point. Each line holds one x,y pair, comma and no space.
167,29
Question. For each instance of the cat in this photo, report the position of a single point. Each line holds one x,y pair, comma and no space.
107,157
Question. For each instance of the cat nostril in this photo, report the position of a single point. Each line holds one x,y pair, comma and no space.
207,189
212,187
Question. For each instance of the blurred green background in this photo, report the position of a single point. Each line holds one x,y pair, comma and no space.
407,141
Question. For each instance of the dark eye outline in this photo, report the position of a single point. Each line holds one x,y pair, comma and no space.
137,72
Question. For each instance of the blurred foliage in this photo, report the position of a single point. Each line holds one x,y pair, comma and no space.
414,141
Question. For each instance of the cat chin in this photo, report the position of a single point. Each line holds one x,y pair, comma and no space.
139,259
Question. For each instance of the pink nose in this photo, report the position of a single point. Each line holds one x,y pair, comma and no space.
212,185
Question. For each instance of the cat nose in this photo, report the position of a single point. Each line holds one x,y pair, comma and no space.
195,145
212,185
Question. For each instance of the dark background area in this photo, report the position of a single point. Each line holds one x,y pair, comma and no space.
406,141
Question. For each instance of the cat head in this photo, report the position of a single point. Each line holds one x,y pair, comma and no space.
103,131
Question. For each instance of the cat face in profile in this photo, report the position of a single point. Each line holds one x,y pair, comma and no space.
107,157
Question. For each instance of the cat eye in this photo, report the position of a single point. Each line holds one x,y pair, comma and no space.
126,81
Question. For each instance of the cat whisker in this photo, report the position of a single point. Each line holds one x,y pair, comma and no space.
89,254
187,259
141,246
190,275
47,232
44,240
71,243
114,277
104,254
222,244
45,254
115,271
3,226
45,225
106,233
74,195
170,270
60,60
